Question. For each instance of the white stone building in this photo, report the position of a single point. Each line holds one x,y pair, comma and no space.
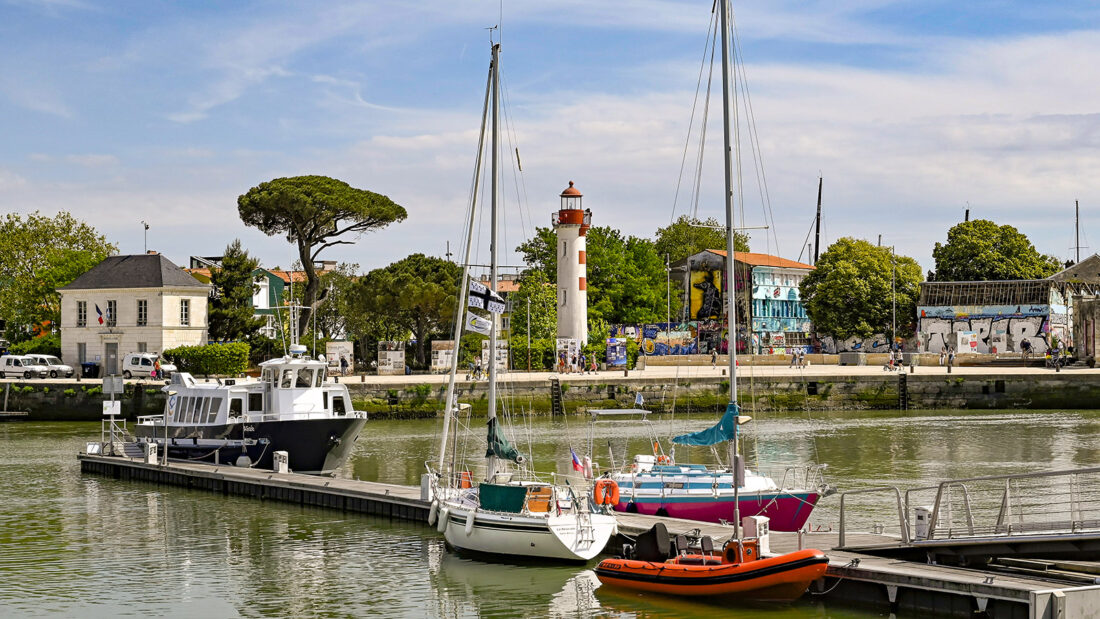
125,304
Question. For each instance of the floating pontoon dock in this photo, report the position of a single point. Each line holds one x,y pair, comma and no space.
892,584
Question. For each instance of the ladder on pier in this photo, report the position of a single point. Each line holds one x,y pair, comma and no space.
557,407
903,391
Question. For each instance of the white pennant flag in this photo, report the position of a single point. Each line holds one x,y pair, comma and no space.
477,324
483,298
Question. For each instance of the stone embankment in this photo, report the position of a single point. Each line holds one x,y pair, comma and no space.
697,388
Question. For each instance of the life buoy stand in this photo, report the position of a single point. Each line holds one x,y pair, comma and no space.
466,480
606,492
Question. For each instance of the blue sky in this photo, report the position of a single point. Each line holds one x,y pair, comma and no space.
163,111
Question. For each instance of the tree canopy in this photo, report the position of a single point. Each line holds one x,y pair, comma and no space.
687,236
980,250
544,307
40,255
232,316
849,293
417,294
626,276
315,212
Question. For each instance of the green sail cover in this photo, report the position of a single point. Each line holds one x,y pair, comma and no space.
724,430
499,446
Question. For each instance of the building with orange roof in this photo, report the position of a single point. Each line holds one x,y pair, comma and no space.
770,316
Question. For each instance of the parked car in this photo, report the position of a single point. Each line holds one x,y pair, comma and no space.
22,365
56,367
141,364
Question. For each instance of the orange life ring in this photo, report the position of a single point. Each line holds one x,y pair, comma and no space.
606,492
466,480
663,459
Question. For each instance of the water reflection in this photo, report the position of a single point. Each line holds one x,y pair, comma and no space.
92,546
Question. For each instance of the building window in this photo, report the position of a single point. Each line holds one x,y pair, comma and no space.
82,313
112,313
185,312
142,347
143,313
81,352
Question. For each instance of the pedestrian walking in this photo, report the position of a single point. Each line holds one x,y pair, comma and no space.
584,365
794,358
943,355
802,357
343,365
156,370
714,358
950,358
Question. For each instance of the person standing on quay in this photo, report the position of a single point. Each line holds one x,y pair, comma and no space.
943,355
713,358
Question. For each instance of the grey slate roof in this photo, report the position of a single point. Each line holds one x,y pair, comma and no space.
137,271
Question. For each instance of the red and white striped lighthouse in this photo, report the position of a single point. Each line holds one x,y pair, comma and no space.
571,223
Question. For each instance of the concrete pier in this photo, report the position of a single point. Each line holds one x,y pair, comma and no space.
892,585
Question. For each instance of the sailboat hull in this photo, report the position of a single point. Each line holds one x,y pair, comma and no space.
519,536
788,511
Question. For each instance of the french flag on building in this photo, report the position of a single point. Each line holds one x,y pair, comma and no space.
577,465
100,312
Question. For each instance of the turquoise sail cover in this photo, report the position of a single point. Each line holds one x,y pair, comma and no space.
498,445
724,430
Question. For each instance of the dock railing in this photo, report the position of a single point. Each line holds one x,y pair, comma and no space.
992,506
903,524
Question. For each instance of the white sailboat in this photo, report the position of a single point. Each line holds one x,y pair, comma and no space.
508,513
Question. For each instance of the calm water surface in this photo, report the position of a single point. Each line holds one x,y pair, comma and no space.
94,547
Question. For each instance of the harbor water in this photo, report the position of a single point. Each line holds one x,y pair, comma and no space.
95,547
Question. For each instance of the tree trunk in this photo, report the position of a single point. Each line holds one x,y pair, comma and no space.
313,284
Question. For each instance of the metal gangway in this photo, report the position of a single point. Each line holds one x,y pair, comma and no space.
1036,515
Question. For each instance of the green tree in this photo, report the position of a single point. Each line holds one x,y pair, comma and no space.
849,293
540,252
315,212
40,255
980,250
626,278
544,307
687,236
232,316
417,294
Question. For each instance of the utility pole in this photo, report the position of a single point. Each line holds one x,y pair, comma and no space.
817,225
668,293
893,296
967,216
528,333
1077,228
146,235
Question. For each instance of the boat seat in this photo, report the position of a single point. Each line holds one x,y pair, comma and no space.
681,547
539,499
706,544
653,545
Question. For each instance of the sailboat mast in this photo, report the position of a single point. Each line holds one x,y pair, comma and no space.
463,288
817,222
490,465
731,314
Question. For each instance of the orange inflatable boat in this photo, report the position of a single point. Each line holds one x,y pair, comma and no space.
735,572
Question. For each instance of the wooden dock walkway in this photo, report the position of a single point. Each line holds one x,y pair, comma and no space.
893,585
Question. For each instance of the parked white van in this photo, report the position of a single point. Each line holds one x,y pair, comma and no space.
141,364
22,365
56,367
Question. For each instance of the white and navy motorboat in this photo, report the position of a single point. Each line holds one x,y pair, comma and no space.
244,422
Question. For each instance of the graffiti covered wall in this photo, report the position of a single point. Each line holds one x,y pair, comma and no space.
999,328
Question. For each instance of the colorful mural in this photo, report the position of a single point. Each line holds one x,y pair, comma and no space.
999,328
706,294
681,338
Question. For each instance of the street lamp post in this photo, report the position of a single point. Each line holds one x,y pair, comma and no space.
668,293
528,333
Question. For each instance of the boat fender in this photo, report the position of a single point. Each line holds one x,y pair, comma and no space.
444,516
433,513
587,467
469,523
607,492
466,480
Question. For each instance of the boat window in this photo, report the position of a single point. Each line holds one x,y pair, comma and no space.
215,406
338,406
305,378
203,411
320,378
324,400
265,375
196,406
181,409
288,379
236,406
256,402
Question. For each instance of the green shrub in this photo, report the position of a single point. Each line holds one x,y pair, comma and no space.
45,345
45,390
152,391
421,391
69,393
225,359
94,391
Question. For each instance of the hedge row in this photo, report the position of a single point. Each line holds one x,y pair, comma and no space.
225,359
